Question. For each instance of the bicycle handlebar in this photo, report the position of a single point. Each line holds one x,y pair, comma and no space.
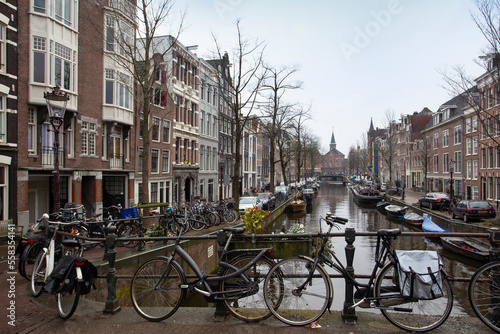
330,219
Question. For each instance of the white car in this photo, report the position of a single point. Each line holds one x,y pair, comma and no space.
248,202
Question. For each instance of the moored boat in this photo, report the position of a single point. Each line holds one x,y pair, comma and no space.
381,206
431,227
366,195
396,211
469,247
413,218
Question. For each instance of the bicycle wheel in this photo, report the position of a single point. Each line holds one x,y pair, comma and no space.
297,308
231,215
67,301
211,218
249,305
128,230
156,291
38,276
198,222
484,294
413,315
27,259
95,231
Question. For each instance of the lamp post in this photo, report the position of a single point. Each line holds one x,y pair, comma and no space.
56,105
221,169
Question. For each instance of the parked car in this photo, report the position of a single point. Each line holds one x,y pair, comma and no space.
383,187
283,190
249,202
268,201
472,209
433,200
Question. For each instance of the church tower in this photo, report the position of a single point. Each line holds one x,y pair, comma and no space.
333,145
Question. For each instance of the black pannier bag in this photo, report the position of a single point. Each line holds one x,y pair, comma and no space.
63,277
419,274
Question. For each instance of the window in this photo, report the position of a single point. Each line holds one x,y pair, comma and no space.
474,169
469,146
117,89
89,134
458,162
3,120
63,11
118,33
166,131
446,162
483,158
124,88
3,50
474,145
154,160
155,96
110,33
445,138
468,126
70,139
62,66
469,169
140,159
202,124
474,123
109,86
32,135
457,135
39,6
436,141
165,162
39,51
202,157
154,193
155,129
436,164
490,157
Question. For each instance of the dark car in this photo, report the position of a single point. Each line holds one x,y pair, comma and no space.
434,200
268,201
472,209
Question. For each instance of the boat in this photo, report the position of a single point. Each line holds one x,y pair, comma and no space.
296,205
431,227
396,211
381,206
473,248
413,218
365,195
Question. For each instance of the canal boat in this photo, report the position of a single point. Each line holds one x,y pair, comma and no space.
366,195
396,211
470,247
413,218
429,226
381,206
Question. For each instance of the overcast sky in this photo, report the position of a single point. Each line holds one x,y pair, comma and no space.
358,58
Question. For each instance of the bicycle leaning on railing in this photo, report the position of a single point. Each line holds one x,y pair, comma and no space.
308,290
160,284
484,294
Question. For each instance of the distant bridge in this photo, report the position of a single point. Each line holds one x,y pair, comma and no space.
340,179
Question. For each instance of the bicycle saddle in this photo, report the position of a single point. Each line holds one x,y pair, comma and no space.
235,230
389,233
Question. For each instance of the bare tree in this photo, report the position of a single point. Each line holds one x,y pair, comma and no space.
276,113
134,46
311,144
241,92
388,150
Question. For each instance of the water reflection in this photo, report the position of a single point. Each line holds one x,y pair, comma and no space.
337,199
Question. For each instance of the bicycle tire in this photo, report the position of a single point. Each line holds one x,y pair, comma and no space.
249,307
157,304
297,309
38,276
484,294
230,215
128,230
211,218
95,232
67,301
198,222
420,315
27,259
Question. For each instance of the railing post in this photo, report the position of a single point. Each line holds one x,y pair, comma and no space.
495,244
111,306
106,232
140,245
220,310
349,314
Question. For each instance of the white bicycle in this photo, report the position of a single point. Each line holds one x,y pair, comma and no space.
46,260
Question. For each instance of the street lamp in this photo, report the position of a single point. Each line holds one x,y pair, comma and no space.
56,105
221,168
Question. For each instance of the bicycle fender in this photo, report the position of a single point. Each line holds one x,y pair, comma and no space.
330,284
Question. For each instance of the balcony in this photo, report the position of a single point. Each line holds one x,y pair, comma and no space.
116,161
48,157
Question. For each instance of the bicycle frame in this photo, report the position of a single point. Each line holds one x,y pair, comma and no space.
204,280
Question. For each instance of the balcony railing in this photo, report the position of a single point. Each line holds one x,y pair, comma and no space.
48,157
116,161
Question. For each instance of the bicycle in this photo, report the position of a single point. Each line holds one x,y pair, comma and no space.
160,284
447,206
484,294
309,291
45,263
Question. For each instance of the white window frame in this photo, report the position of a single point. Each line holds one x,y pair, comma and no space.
155,123
39,48
89,138
446,135
157,169
32,131
457,135
165,161
167,125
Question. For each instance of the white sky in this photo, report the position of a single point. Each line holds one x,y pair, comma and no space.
358,58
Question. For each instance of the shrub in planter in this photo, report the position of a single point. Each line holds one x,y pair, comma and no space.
253,219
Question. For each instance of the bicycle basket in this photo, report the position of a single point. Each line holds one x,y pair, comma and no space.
419,274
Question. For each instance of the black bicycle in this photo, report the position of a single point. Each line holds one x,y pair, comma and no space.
308,290
160,284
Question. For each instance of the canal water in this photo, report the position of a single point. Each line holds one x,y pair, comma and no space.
338,200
